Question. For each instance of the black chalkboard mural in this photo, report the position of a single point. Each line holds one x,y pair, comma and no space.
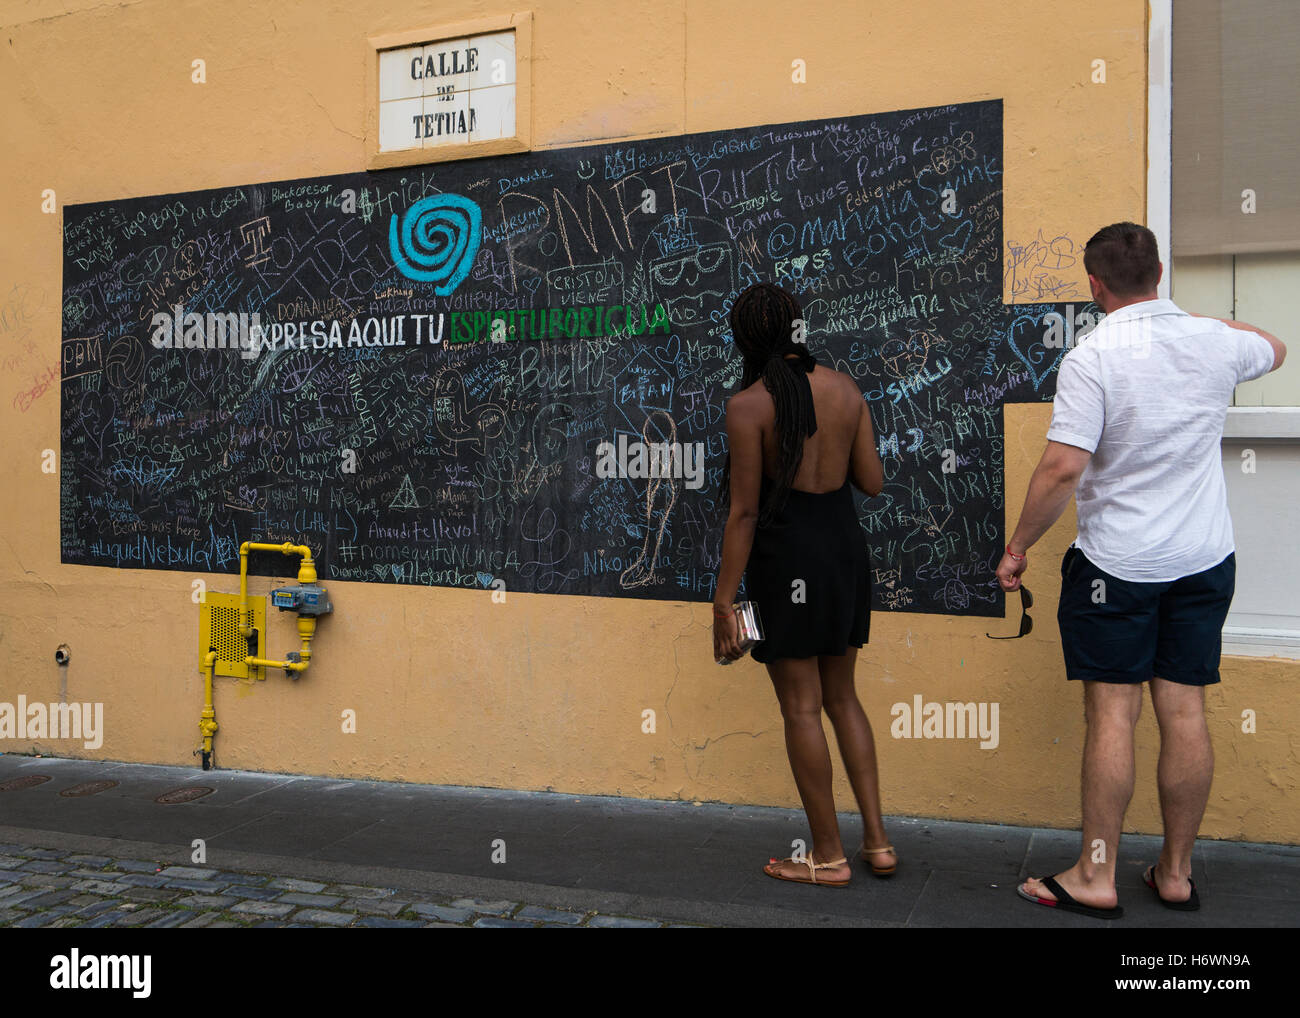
445,375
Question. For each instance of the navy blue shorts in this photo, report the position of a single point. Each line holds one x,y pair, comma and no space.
1123,631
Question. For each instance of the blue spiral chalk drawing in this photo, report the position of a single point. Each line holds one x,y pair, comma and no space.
437,240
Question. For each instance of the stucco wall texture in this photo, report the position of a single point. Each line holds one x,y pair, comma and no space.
547,692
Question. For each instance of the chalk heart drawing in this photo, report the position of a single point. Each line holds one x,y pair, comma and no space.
1025,338
958,238
435,240
669,351
485,579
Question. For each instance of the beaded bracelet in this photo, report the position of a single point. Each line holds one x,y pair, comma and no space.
1018,558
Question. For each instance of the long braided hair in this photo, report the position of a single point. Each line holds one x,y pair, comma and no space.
762,327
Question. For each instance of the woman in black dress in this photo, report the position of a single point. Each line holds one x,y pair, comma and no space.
798,434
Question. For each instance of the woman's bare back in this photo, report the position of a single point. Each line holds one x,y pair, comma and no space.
843,445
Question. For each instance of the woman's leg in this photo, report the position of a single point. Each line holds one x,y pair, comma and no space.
798,689
857,745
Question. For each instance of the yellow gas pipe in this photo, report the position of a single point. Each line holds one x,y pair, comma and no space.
208,720
306,630
306,625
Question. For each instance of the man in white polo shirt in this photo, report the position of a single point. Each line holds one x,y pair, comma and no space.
1136,427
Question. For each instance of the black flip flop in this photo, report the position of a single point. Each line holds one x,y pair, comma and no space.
1190,905
1065,902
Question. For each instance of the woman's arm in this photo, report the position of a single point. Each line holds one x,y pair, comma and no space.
864,460
745,442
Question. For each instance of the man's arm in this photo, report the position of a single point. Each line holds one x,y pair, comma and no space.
1279,348
1054,481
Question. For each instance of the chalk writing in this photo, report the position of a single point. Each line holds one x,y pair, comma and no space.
437,370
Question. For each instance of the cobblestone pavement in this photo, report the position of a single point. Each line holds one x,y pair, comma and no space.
51,888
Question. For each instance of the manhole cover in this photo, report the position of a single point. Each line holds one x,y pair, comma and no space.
182,795
13,784
89,788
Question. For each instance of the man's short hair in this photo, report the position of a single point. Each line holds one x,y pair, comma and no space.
1125,257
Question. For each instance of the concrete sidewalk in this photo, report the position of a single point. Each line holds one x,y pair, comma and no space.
287,850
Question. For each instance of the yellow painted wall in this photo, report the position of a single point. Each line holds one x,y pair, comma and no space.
547,692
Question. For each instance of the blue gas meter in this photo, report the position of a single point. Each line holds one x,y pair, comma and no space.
303,598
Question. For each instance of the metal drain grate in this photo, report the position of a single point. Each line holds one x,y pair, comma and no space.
178,795
88,788
13,784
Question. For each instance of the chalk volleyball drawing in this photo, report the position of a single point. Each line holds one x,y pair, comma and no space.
436,240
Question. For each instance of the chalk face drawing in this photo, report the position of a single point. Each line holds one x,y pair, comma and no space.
435,240
446,351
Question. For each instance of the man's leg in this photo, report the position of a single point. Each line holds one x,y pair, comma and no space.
1184,774
1192,613
1112,711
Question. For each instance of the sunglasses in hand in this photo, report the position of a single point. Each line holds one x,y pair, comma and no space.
1026,622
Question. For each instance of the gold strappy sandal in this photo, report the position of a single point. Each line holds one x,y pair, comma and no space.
880,871
812,871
